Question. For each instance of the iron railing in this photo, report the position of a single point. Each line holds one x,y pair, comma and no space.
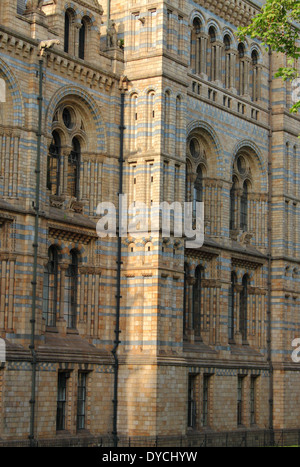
238,438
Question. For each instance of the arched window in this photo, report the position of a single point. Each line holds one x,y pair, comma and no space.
69,38
239,194
196,47
212,56
255,84
50,287
244,208
67,32
241,68
167,121
178,126
197,296
133,121
74,169
82,38
150,118
233,204
227,61
243,307
71,290
231,305
198,190
53,164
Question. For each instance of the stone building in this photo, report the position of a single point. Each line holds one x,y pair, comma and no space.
140,336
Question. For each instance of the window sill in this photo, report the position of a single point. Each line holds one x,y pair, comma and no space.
51,329
72,331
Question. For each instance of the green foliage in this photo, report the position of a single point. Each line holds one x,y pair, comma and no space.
277,27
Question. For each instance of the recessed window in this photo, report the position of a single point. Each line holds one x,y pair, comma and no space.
67,117
61,401
194,147
241,165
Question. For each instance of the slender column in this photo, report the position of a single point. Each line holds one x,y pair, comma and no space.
63,268
11,279
203,53
238,289
82,273
15,167
97,302
232,77
6,165
217,325
258,85
2,293
246,75
218,65
64,176
191,282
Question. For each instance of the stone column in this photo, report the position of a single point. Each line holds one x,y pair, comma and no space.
218,61
189,322
63,268
246,77
238,289
232,76
203,58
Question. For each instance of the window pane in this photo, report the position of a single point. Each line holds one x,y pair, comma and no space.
81,398
61,401
191,402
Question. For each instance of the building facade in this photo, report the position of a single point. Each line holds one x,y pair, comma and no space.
142,336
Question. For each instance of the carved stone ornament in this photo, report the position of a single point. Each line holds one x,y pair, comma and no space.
34,5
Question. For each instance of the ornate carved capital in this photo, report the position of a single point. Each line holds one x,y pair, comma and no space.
33,5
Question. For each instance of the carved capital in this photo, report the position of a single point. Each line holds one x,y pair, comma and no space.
33,5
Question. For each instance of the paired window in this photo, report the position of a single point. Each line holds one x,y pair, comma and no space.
62,400
217,61
72,35
246,400
241,399
193,300
63,163
194,399
233,309
53,296
239,194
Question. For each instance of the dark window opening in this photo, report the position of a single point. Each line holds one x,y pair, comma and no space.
197,297
74,169
244,208
231,305
81,400
192,401
61,401
50,287
243,307
72,285
82,34
53,164
67,32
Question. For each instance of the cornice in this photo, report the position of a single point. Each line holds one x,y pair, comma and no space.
236,12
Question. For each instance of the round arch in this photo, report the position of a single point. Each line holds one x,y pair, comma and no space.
67,92
252,150
18,114
211,138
